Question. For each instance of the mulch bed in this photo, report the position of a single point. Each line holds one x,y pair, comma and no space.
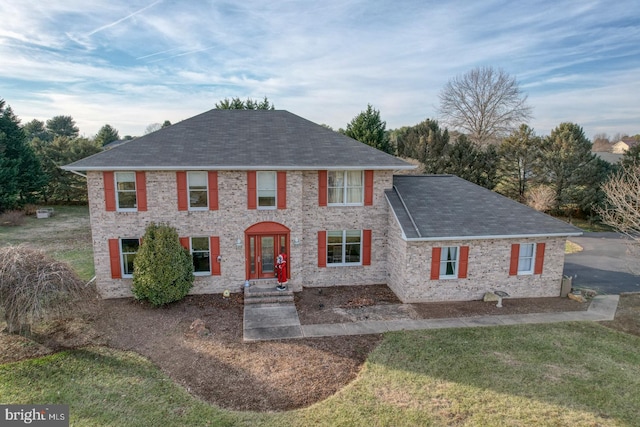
212,362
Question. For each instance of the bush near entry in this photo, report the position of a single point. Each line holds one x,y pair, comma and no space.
162,268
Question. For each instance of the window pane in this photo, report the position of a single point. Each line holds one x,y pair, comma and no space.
354,178
335,195
354,195
335,178
448,260
334,247
266,189
335,237
198,199
525,261
201,262
128,249
526,250
266,180
200,243
128,263
266,200
126,180
197,180
126,200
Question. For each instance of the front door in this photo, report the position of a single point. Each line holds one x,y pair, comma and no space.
264,241
263,250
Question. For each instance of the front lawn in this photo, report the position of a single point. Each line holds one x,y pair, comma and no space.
569,374
66,236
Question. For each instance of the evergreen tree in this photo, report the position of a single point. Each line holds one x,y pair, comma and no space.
105,135
569,166
250,104
631,157
36,129
22,175
62,126
367,127
64,186
162,269
519,158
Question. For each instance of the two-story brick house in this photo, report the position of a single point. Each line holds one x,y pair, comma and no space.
239,185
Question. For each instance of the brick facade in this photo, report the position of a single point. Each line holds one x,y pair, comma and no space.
488,270
302,216
403,265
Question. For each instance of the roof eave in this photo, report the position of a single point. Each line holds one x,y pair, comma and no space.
492,237
232,168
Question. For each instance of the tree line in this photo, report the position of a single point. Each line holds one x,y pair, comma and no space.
31,156
556,173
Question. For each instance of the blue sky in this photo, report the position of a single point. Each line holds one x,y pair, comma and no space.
131,63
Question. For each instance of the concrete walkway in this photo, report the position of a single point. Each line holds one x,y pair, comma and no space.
280,321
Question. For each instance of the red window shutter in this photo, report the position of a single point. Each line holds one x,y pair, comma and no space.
184,242
537,269
322,248
368,188
214,249
322,188
515,255
213,190
141,191
282,190
109,191
464,262
366,247
114,258
183,196
435,263
251,190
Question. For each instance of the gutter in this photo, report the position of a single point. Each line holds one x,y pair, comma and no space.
233,168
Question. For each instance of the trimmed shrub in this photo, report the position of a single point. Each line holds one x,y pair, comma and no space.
162,269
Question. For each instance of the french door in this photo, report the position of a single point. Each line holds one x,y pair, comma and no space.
263,250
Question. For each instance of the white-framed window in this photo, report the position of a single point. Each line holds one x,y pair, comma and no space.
201,254
128,250
267,185
197,183
126,191
449,262
526,258
345,187
344,247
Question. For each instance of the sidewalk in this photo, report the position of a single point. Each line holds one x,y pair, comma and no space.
280,321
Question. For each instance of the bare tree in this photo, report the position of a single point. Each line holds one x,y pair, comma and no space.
152,128
540,197
622,192
485,103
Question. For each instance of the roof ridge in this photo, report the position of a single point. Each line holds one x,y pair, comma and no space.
406,209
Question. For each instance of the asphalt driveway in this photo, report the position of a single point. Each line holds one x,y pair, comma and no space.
605,264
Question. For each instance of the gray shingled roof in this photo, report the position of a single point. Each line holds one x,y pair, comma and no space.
240,140
445,207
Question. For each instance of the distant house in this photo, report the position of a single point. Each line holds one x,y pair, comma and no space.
624,145
241,185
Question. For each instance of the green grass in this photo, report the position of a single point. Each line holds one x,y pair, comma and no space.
66,237
586,225
572,374
572,248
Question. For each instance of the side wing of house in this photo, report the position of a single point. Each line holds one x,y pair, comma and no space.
453,241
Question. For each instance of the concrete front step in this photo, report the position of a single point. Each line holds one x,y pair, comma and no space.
267,295
280,299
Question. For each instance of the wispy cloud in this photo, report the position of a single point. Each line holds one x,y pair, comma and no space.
131,63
